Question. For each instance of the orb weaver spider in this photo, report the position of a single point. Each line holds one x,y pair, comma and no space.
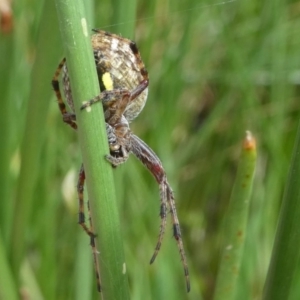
124,82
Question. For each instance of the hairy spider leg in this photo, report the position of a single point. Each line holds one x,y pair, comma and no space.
150,160
114,104
80,190
116,95
68,118
177,233
81,221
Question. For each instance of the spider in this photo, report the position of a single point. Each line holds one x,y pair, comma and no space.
124,82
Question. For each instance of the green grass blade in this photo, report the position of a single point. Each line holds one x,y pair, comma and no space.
8,288
6,47
100,185
236,222
84,274
34,131
285,255
124,15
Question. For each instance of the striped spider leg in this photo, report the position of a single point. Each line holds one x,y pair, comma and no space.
150,160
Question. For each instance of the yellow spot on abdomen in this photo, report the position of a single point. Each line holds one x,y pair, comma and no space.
107,81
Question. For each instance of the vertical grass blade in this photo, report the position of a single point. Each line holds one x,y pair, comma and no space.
124,14
235,223
34,130
85,279
285,256
94,147
6,61
8,288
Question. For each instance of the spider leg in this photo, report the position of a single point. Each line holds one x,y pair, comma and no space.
95,253
108,98
177,234
163,217
150,160
140,88
68,118
81,221
153,164
116,161
81,215
117,100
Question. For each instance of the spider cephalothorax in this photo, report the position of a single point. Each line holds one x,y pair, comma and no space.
124,81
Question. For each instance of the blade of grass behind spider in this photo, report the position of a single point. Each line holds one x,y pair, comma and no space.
8,289
125,12
236,222
100,185
285,255
84,276
6,48
33,135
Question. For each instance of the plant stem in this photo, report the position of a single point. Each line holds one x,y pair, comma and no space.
236,223
8,288
34,132
123,16
285,256
94,147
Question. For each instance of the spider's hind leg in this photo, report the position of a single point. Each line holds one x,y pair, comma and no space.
150,160
81,214
177,233
81,221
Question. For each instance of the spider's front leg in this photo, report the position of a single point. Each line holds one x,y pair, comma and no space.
117,97
150,160
68,118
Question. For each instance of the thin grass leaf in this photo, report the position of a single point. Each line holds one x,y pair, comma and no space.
286,254
8,286
236,223
34,134
123,16
6,61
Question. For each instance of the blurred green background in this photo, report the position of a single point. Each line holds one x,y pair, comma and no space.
216,70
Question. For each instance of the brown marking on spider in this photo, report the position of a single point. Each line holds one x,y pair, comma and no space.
123,80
